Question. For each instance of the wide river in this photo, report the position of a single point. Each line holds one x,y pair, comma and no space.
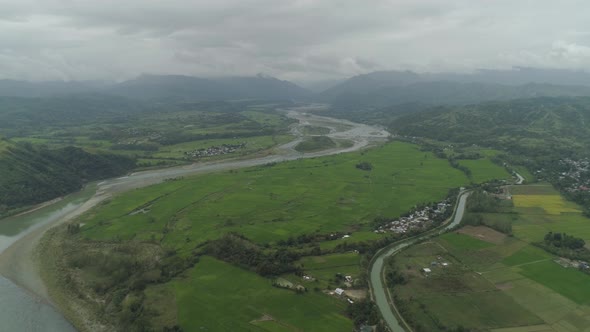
23,310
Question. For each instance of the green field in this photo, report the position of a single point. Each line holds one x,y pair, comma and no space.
509,286
527,254
567,282
267,204
216,296
324,268
463,242
484,170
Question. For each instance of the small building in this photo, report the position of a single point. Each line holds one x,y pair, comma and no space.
348,278
346,236
445,264
426,270
350,301
339,291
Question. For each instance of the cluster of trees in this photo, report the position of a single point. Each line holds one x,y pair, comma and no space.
176,137
393,276
562,240
564,245
237,249
453,162
363,312
136,147
481,201
364,166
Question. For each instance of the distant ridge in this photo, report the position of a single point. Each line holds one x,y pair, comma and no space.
179,87
385,88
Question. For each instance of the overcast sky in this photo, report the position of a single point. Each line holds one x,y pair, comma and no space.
293,40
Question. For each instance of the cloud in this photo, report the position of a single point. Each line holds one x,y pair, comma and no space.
291,39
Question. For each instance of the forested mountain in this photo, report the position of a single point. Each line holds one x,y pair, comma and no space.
386,88
195,88
444,93
164,87
535,127
17,113
14,88
33,174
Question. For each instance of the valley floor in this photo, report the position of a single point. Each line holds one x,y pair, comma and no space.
485,280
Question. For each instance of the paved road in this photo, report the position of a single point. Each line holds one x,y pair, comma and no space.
520,178
378,287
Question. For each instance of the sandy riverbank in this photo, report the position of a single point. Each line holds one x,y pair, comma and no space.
20,261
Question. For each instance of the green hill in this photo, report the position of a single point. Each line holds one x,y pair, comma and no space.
533,127
31,174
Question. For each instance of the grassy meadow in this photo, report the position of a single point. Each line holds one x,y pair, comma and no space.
270,203
216,296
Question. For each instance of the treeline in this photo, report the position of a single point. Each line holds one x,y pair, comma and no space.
564,245
480,202
453,162
365,312
562,240
34,174
238,250
171,138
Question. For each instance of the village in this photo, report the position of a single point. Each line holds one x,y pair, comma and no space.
215,150
576,174
416,220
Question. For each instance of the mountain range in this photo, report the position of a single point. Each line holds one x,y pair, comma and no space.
373,90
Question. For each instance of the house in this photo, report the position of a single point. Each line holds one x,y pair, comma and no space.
339,291
426,270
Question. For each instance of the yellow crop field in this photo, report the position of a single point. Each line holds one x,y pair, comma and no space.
552,204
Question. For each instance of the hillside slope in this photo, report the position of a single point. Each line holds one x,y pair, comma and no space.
535,126
32,175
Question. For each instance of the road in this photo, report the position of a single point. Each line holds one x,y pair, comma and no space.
520,178
379,290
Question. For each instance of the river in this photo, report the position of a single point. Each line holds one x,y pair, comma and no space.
21,309
379,289
24,301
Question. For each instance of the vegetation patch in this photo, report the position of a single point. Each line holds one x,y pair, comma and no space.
217,296
460,241
551,204
315,130
567,282
315,143
483,233
528,254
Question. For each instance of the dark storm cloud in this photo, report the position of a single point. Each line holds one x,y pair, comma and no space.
298,40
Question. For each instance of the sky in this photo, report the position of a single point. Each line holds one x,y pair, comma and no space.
300,40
